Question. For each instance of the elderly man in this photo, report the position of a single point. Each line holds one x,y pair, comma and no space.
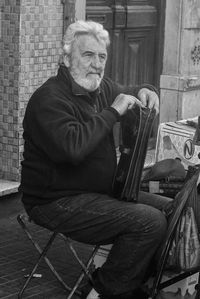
70,161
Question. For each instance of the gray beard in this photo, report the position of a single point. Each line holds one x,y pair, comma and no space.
88,84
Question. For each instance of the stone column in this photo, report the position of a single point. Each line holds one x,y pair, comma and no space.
180,79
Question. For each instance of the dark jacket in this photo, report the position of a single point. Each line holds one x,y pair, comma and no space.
69,147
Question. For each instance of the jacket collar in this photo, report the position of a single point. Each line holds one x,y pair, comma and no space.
64,74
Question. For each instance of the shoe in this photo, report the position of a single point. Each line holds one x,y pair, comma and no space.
127,295
85,290
139,294
136,294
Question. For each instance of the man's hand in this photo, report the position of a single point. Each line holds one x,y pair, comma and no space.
149,99
123,102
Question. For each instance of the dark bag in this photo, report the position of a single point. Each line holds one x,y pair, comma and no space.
136,127
165,177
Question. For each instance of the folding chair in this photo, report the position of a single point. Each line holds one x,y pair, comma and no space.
85,267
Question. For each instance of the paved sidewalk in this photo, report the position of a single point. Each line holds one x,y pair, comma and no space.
17,256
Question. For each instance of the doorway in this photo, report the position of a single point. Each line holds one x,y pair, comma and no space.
136,31
135,28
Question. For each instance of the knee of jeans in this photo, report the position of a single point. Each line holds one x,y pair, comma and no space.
151,223
159,225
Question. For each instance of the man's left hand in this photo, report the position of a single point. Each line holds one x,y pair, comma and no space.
149,98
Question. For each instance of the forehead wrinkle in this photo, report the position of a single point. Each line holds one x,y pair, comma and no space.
85,46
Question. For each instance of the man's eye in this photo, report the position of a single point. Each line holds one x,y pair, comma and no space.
103,57
88,54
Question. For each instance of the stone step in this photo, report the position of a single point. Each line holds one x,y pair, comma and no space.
8,187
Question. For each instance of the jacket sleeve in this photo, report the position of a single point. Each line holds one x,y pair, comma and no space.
52,126
133,90
118,88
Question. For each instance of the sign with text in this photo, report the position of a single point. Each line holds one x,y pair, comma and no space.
175,140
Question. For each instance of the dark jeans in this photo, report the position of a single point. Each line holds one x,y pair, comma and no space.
134,229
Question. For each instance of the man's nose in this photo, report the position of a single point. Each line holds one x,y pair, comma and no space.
96,61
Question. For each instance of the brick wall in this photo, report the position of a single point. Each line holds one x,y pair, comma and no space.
9,93
30,45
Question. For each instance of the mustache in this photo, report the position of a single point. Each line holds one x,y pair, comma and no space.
99,73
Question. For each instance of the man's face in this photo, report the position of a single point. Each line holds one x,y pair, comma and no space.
88,61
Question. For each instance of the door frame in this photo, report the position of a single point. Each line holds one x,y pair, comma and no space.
160,41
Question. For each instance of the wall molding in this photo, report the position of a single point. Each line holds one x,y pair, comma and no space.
180,83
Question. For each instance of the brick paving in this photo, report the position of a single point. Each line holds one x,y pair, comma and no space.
17,256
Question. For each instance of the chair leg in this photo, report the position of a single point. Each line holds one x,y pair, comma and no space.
43,252
41,257
85,268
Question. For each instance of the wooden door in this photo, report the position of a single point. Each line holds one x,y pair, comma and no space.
134,27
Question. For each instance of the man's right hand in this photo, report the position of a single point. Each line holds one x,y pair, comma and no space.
123,102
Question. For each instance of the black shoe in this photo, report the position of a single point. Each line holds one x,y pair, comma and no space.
139,294
136,294
85,290
127,295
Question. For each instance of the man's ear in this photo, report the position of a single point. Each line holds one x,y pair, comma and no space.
67,60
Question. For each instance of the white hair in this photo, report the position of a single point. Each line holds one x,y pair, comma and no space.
83,27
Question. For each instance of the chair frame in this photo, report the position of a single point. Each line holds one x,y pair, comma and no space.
182,198
22,219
